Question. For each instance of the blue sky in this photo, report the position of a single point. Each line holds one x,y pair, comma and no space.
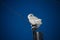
14,22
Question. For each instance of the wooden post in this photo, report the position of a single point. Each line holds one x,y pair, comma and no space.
37,35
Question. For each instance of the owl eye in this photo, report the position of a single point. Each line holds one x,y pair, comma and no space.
30,15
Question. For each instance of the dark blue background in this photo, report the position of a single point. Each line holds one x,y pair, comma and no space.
14,23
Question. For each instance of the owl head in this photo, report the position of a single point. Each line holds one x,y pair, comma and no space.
30,15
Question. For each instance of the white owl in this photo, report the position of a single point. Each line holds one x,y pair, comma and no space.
34,20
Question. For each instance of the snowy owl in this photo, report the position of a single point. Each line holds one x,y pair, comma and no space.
34,21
